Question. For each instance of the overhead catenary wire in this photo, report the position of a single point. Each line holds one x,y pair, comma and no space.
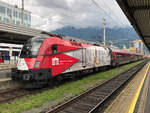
94,2
129,30
98,6
105,12
115,14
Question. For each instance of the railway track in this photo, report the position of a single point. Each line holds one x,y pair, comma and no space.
11,94
92,100
8,95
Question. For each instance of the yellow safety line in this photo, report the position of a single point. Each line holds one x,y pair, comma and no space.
132,107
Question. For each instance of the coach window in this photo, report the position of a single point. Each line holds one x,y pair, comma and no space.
54,49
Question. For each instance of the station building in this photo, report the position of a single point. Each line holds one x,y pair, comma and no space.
13,14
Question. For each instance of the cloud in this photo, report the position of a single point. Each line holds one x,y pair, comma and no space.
53,14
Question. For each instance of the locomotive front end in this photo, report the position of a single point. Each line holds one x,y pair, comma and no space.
28,65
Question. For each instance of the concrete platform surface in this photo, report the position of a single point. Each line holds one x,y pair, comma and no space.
5,70
7,66
135,97
5,79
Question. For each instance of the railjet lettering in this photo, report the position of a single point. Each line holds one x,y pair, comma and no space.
55,61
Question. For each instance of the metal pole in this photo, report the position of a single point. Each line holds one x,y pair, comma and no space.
10,19
23,12
104,31
10,54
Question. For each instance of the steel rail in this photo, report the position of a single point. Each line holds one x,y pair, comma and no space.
91,100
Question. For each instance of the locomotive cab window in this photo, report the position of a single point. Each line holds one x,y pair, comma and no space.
54,49
31,47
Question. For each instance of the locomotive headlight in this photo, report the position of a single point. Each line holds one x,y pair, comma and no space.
37,64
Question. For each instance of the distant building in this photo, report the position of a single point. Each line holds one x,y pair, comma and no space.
124,47
13,14
137,46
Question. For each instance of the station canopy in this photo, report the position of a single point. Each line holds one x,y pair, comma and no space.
17,34
138,13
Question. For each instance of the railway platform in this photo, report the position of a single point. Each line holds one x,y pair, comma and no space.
7,83
7,66
5,70
5,80
135,97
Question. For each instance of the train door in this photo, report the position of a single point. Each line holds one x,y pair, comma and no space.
84,57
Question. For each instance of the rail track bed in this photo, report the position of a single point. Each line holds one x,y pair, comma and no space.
92,100
8,95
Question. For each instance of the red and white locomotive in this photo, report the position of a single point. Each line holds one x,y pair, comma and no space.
44,58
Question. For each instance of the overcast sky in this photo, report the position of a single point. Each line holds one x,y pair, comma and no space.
54,14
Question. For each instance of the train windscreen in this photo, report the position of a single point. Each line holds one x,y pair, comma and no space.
31,47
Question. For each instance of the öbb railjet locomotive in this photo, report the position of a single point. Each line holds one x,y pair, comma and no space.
44,58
